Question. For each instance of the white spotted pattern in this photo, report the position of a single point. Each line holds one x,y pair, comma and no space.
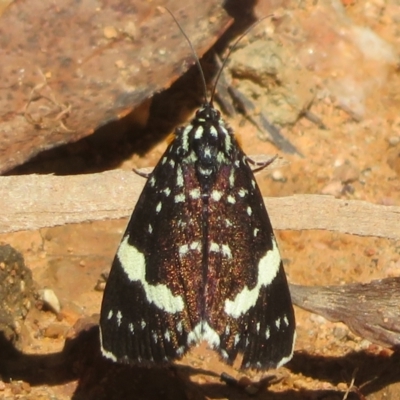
159,206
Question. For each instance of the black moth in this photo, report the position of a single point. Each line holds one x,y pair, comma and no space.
199,260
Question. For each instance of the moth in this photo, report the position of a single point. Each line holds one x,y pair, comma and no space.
199,260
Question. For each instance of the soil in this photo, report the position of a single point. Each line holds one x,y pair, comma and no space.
355,155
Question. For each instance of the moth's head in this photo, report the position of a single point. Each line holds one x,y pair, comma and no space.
207,113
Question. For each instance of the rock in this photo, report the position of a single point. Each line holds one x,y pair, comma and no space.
17,292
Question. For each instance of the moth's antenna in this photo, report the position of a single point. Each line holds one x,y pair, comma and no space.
223,62
196,58
231,48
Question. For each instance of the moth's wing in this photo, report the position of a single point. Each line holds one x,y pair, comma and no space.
248,299
149,304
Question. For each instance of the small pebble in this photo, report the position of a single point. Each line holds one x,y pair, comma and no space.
278,176
394,140
50,299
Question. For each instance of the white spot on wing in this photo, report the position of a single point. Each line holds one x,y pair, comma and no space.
179,177
231,199
194,246
180,351
155,337
150,229
242,192
179,327
249,211
152,181
194,193
285,320
131,327
185,137
226,250
236,339
179,198
216,195
172,163
159,206
232,178
255,232
143,324
133,263
267,333
278,323
224,354
268,268
183,249
167,335
228,143
228,222
119,318
167,191
203,331
214,247
258,327
110,314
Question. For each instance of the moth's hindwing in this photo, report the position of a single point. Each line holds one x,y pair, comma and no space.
199,260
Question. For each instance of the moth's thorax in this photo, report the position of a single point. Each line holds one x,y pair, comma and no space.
207,144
